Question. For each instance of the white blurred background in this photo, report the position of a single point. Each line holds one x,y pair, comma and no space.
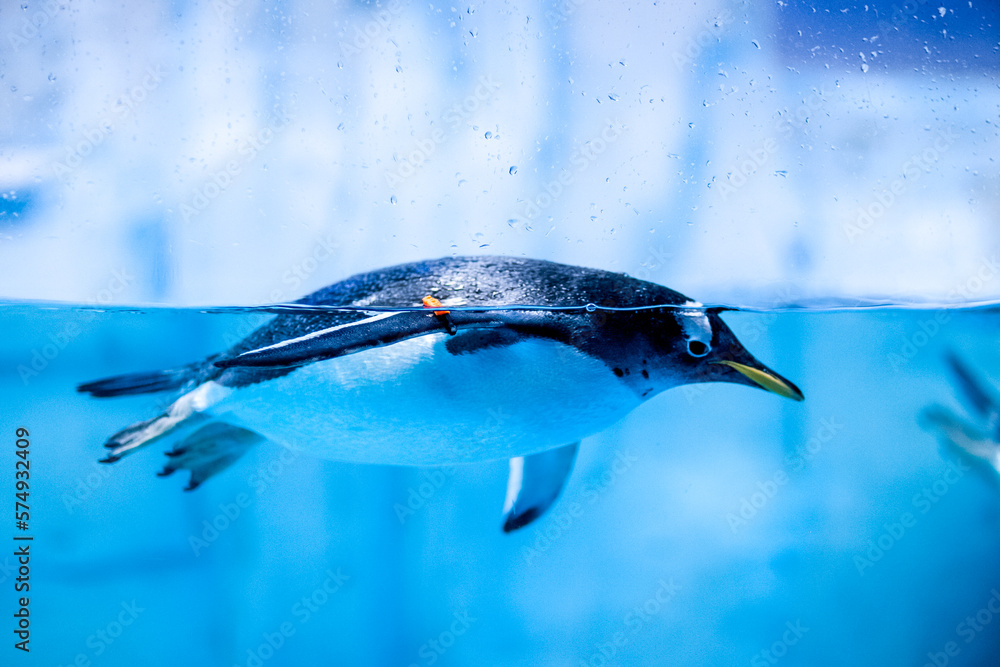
245,152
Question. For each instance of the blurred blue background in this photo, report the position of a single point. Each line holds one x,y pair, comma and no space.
240,152
695,531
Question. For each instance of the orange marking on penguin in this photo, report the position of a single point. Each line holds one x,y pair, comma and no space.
443,315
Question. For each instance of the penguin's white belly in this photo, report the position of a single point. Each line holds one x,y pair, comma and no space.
414,403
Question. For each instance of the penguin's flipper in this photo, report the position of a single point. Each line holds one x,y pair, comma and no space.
212,448
467,342
385,329
534,483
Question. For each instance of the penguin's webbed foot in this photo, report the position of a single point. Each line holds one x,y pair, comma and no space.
209,450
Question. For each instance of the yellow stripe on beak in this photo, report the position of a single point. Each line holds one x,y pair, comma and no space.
767,380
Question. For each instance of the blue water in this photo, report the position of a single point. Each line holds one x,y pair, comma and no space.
650,557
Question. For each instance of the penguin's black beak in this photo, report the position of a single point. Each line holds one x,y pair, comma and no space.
729,361
765,378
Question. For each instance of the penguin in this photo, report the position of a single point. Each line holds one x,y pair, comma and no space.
454,360
975,442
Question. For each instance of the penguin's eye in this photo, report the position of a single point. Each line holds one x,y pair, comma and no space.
697,348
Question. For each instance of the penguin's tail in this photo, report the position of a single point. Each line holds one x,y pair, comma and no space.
144,383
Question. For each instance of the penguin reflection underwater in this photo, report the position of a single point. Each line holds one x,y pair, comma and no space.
434,386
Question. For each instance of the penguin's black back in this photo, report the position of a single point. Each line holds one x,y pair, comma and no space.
477,280
492,281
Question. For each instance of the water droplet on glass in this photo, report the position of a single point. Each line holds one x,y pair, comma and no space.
864,68
512,170
392,199
591,307
340,127
52,77
488,134
399,68
755,43
613,97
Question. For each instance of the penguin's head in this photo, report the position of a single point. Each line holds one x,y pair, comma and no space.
688,344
